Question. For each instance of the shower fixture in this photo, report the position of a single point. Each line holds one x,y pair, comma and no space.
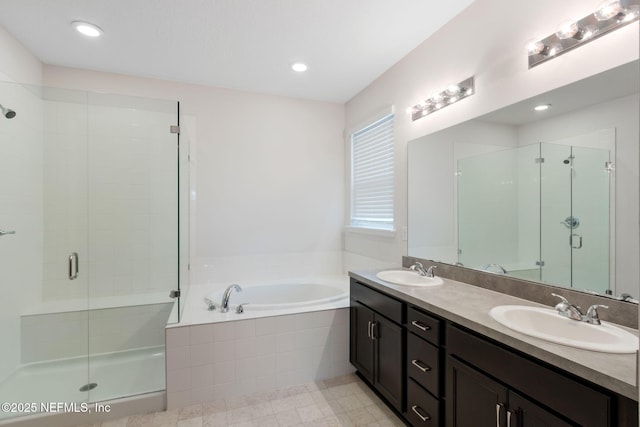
7,112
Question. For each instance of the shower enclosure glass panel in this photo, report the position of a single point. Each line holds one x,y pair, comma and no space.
542,211
90,185
575,205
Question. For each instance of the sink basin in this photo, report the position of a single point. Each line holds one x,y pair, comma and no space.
548,325
408,278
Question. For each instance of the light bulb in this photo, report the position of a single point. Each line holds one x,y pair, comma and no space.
535,47
453,90
437,97
607,10
542,107
567,29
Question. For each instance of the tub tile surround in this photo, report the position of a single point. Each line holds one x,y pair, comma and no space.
227,359
619,312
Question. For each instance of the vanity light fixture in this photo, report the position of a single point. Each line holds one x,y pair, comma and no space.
451,94
87,29
610,15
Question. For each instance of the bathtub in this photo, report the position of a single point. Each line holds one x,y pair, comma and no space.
282,296
291,332
269,298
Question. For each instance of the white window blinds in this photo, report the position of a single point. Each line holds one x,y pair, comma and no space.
372,175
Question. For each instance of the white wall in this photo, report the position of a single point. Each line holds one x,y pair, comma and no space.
487,41
20,205
269,184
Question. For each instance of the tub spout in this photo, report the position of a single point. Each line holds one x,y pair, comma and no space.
225,297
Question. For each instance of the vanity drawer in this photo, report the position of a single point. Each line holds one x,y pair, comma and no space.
424,326
422,408
377,301
423,363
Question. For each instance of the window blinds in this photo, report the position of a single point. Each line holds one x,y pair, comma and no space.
372,175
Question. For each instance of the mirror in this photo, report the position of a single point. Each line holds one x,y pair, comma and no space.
549,196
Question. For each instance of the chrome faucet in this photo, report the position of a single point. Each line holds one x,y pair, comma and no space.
573,312
225,297
419,268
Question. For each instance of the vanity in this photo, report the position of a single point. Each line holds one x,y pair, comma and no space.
437,358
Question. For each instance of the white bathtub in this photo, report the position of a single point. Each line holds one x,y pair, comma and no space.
282,296
273,298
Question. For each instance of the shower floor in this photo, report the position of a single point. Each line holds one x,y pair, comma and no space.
117,375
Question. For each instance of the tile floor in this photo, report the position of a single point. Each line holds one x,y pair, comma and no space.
343,401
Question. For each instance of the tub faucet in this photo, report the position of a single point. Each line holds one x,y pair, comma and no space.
225,297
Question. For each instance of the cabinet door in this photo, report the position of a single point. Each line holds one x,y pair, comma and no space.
389,360
527,414
473,400
361,349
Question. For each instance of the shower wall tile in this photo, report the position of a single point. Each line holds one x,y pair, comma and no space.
226,359
74,334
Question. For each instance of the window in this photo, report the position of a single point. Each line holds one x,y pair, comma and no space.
372,175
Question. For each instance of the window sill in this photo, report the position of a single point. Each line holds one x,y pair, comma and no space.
381,232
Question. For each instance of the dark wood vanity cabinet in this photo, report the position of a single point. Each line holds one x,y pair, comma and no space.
424,373
435,373
487,383
377,341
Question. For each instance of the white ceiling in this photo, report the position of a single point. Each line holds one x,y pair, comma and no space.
238,44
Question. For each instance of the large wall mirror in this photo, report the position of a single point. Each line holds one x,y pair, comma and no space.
548,195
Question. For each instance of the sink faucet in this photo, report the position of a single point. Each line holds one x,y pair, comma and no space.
573,312
225,297
419,268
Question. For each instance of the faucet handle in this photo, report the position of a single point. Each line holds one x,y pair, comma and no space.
430,272
563,299
240,308
211,306
592,314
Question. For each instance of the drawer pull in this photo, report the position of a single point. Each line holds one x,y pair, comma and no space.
420,326
417,409
420,365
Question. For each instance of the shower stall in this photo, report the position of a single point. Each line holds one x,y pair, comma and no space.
541,212
91,213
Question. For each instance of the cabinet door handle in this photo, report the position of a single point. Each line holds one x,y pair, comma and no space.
369,329
508,418
73,260
373,330
498,409
420,365
416,409
420,326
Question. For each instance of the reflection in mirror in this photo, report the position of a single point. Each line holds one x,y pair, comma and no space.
549,196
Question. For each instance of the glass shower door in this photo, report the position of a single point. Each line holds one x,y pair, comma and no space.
575,204
589,241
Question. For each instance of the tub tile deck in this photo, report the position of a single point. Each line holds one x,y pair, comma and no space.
342,401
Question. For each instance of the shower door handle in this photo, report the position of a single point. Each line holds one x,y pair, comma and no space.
3,233
572,241
73,266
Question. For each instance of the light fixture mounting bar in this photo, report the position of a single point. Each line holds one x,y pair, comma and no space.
444,98
586,29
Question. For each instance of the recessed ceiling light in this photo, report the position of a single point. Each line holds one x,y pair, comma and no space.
542,107
299,67
87,29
